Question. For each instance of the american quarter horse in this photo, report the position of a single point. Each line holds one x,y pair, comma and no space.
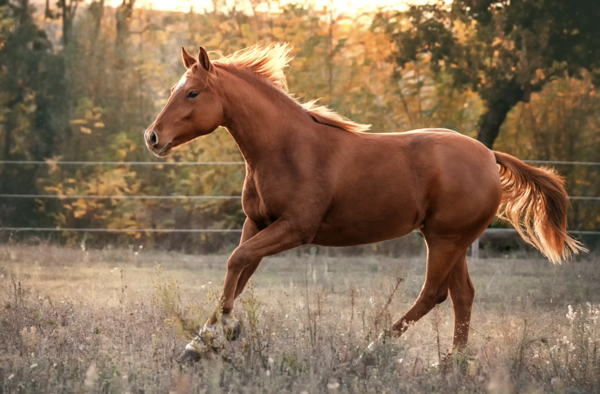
315,177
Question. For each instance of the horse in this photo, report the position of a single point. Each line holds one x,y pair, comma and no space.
316,177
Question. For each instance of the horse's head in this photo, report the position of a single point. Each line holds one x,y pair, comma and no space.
194,109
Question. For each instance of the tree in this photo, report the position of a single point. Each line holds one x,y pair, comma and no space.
503,50
31,95
68,11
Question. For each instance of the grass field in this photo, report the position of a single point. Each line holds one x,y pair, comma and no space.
115,320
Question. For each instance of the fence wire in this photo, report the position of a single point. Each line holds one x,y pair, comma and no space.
197,163
208,230
120,197
206,163
132,163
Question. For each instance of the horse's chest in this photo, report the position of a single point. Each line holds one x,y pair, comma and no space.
261,209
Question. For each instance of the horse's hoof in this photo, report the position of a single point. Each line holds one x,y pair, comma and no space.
457,360
190,355
369,356
214,336
232,330
210,336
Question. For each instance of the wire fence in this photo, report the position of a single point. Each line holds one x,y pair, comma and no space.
125,197
207,230
179,197
132,163
121,230
580,163
205,163
120,197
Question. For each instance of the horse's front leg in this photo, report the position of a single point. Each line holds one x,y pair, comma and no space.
282,235
249,230
278,237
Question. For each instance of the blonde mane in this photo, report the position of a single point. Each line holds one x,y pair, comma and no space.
269,63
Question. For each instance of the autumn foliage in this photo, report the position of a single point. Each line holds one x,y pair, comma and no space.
113,75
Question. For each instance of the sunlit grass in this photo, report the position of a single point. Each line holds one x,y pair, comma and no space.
115,321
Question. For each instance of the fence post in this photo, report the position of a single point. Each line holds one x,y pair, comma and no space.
475,250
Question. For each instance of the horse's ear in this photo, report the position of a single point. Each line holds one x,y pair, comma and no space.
204,60
188,60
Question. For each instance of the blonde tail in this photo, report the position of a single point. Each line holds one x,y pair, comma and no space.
534,201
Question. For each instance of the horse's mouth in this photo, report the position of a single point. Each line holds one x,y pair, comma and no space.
165,150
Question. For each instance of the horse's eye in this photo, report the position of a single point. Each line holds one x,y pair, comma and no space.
192,94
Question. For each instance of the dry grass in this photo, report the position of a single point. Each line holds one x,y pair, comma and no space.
115,321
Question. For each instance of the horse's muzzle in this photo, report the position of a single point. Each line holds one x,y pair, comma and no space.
165,150
152,139
153,143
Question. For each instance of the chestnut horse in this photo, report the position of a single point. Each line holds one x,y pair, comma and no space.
314,177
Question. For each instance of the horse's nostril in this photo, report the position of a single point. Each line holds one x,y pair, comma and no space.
153,139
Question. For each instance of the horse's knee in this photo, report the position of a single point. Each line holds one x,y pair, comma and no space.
239,259
434,296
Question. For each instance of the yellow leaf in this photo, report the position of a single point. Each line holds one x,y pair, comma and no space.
78,121
99,125
85,130
79,213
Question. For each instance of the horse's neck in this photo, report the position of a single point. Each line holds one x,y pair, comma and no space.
262,121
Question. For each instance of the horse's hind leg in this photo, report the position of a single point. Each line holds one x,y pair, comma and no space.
462,294
443,255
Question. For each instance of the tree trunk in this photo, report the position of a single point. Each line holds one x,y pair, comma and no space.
497,110
4,169
24,12
66,23
491,122
123,17
96,9
7,142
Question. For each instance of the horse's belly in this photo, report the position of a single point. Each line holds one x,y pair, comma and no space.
366,227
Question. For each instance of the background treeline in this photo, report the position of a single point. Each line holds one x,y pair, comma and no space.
82,81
